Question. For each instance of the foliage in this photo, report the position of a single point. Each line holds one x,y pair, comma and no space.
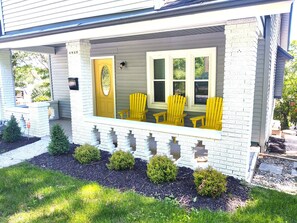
41,90
210,182
12,131
31,69
121,160
86,154
286,108
161,169
41,98
59,143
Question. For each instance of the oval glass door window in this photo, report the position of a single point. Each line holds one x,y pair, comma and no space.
105,80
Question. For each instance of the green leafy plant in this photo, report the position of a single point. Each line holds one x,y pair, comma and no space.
121,160
210,182
41,98
161,169
12,131
59,143
86,154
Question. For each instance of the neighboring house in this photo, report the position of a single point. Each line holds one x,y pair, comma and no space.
237,48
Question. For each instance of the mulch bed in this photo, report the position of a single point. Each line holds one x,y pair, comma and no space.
183,189
5,147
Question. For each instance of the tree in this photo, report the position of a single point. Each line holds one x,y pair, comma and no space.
286,107
12,131
32,69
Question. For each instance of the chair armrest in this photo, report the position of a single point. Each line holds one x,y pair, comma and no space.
142,115
180,119
157,116
219,125
122,112
197,118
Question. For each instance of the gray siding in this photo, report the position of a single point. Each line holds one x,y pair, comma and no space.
30,13
133,77
279,76
59,70
284,33
258,92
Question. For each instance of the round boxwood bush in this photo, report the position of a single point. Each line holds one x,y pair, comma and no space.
210,182
86,154
121,160
161,169
59,143
12,131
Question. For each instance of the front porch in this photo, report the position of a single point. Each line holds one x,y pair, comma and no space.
227,150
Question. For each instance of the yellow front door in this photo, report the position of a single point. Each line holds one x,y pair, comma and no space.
104,87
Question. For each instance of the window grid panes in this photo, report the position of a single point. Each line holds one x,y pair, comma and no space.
201,80
179,76
159,80
190,73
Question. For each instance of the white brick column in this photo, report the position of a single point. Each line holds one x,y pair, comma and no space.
163,144
7,93
39,119
142,145
123,139
239,83
106,141
79,66
187,153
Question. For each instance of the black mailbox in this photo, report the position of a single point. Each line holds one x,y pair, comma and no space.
73,83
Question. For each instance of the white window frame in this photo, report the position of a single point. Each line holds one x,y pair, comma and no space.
190,55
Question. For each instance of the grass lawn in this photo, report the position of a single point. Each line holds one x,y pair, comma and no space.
30,194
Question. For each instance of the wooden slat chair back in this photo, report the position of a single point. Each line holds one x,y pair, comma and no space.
137,111
175,111
137,106
213,116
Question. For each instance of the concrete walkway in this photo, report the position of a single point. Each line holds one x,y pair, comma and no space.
24,153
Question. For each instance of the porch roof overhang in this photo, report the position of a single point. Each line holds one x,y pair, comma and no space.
215,13
284,53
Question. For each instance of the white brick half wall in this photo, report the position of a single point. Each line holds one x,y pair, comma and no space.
239,83
7,94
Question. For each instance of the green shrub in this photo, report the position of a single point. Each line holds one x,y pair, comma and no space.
41,98
161,169
86,154
121,160
12,131
210,182
59,143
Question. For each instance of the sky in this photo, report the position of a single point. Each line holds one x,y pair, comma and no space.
294,23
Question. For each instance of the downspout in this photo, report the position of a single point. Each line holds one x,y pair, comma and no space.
1,19
50,77
290,23
265,83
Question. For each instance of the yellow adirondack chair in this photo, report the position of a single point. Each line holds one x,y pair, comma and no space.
213,117
137,110
175,112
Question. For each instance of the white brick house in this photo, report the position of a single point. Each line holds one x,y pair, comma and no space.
238,42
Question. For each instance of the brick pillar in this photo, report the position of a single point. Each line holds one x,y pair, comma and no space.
239,83
81,100
39,119
7,93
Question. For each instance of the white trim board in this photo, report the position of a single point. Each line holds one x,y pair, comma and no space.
197,20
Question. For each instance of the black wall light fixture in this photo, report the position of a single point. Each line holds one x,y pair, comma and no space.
73,83
123,64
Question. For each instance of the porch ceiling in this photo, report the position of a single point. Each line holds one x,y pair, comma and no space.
186,32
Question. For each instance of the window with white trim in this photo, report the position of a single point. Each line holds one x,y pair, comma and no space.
190,73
